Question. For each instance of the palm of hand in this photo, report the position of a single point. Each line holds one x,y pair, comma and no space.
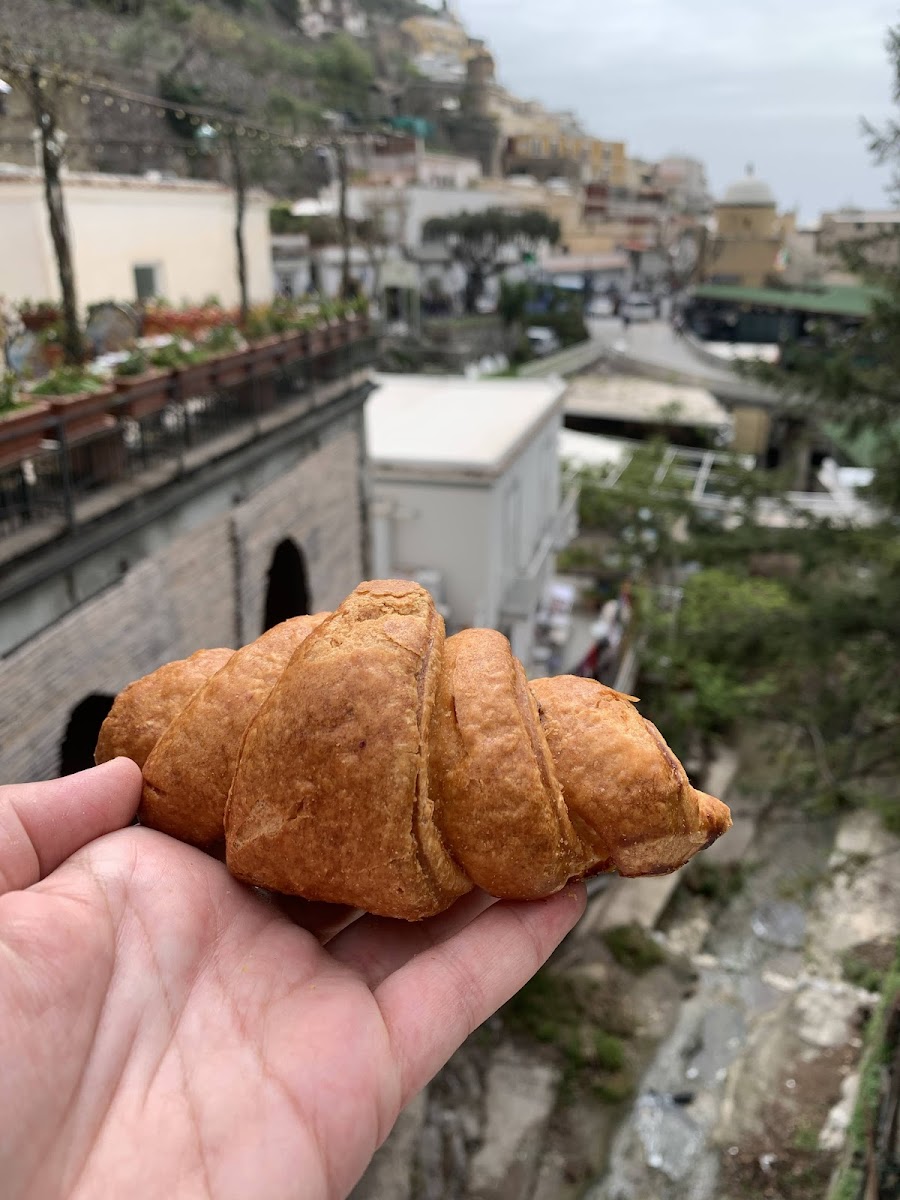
166,1032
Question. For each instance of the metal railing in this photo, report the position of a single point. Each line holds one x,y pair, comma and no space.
104,446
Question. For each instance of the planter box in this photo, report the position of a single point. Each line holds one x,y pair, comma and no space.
320,340
98,457
195,380
36,322
82,414
139,395
233,368
22,431
269,353
296,344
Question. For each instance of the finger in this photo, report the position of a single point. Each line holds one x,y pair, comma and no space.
42,824
375,947
432,1004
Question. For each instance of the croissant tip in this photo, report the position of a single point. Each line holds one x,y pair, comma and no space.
714,816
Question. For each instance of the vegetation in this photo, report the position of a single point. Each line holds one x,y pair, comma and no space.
861,1150
68,381
484,243
633,948
554,1009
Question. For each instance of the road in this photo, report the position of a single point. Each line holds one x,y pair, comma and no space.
653,347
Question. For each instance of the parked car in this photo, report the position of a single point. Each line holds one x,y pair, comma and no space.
638,307
543,341
600,306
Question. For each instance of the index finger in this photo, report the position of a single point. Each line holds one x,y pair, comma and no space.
432,1004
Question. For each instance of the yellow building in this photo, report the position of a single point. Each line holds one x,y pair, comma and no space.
548,151
746,246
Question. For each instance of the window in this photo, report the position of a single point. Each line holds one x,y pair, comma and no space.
146,282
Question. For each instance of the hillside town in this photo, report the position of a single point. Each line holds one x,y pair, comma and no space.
295,295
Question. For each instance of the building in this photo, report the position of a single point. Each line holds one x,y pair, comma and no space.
627,406
547,152
746,246
403,161
877,230
319,18
132,238
466,495
258,516
683,180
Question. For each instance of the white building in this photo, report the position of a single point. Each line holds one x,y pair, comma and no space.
467,497
132,238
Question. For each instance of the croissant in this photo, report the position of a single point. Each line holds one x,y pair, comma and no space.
359,757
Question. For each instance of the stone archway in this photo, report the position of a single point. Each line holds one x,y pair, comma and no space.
287,594
76,751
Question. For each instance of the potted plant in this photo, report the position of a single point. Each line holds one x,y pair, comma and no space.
23,422
78,398
192,370
231,359
267,342
141,387
38,315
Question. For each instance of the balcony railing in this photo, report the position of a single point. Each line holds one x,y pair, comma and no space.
59,468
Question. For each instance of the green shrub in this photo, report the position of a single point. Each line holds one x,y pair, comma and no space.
609,1053
633,948
68,381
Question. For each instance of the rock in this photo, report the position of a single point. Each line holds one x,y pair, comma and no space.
671,1139
826,1012
860,901
630,902
392,1170
834,1132
781,923
520,1098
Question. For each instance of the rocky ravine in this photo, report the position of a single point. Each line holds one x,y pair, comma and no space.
714,1062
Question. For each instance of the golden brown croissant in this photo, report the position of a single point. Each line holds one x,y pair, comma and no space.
359,758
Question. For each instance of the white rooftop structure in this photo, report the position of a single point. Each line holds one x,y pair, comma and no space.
449,425
697,474
644,401
749,192
592,449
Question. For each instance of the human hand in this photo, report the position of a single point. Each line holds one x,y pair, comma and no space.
167,1032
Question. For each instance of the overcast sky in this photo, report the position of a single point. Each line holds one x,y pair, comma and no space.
779,83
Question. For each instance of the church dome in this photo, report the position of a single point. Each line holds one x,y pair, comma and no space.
749,192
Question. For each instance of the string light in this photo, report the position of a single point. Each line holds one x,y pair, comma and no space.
161,107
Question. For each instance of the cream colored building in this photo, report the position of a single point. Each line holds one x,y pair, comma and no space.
466,495
132,238
747,245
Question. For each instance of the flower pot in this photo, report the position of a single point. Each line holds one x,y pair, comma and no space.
232,369
193,380
139,395
22,430
319,340
269,353
97,456
296,346
35,322
82,414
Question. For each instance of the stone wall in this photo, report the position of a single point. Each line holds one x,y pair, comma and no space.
203,588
